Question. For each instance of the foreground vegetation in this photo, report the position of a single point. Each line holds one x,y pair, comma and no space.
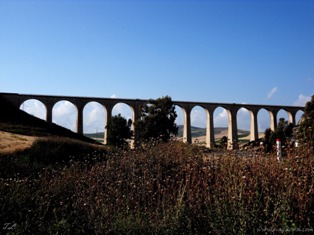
162,188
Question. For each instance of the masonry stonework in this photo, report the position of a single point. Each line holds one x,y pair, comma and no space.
136,104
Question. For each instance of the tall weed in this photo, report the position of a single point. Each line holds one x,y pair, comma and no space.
163,188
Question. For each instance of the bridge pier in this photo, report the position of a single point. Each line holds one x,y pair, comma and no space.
136,114
79,118
291,116
232,128
187,137
49,107
136,104
273,118
108,109
253,126
210,134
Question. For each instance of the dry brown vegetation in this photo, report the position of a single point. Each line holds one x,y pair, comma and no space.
11,143
163,188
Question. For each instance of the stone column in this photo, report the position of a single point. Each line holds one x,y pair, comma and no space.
254,128
273,119
136,115
79,120
49,107
108,110
232,128
210,135
291,115
187,137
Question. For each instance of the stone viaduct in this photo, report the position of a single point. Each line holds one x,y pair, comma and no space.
186,106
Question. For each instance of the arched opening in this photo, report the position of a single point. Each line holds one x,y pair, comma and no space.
179,121
298,116
35,108
64,113
94,115
244,125
198,125
263,121
282,114
220,124
124,110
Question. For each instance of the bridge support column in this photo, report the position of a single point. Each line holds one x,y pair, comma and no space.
254,128
273,119
79,120
108,109
232,129
187,137
137,110
291,116
210,135
49,107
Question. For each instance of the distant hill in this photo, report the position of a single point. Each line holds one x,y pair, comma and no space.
199,131
195,131
14,120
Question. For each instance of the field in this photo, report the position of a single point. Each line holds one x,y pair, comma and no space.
68,187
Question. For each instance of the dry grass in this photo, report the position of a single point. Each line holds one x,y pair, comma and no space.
11,143
161,189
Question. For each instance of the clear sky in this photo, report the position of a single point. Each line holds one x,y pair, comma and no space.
258,52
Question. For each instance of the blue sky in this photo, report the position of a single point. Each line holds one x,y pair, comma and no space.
258,52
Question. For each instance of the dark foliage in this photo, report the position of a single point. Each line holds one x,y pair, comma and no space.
157,120
306,130
119,131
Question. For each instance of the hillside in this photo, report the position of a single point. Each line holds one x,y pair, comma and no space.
17,121
218,131
198,134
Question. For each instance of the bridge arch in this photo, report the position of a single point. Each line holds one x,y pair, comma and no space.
245,120
94,119
198,120
221,117
231,111
34,107
284,114
263,118
186,111
126,111
65,113
179,120
298,116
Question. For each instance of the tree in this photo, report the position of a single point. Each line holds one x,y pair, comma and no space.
267,142
224,142
157,120
119,130
279,132
306,129
283,132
